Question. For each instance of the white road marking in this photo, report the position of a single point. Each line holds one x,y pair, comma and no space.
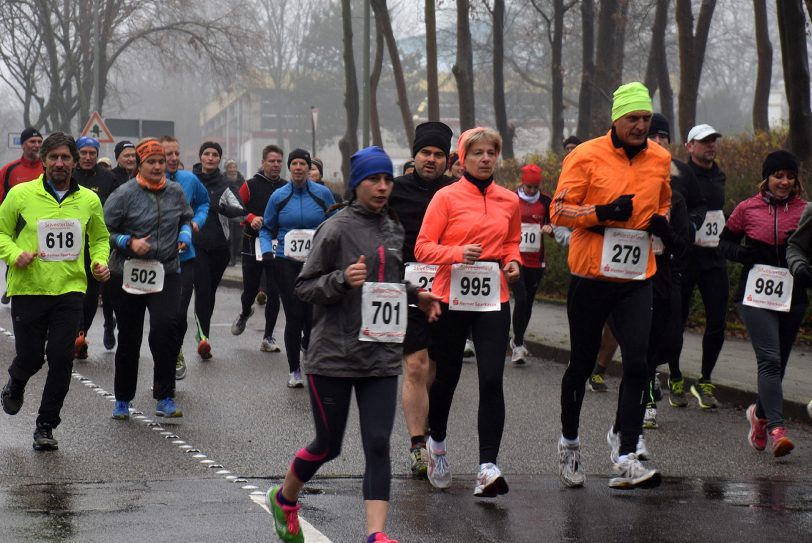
311,535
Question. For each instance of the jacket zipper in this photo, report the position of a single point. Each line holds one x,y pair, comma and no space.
158,227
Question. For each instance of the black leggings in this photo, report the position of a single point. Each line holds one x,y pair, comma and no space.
187,287
297,313
330,400
627,306
490,334
713,287
91,302
251,280
524,295
210,264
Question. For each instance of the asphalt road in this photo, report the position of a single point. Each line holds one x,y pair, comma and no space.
138,480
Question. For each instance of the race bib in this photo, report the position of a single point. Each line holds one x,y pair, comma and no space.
383,312
143,276
475,287
531,238
298,243
657,245
625,253
708,233
769,287
420,275
59,239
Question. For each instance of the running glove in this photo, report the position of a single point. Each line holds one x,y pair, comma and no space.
659,227
803,275
619,210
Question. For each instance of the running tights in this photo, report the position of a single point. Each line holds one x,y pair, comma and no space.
713,287
210,264
524,294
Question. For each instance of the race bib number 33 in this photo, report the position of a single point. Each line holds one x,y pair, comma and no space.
59,239
143,276
383,312
768,287
708,233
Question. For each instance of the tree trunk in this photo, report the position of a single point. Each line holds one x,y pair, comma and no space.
691,58
432,79
764,49
374,78
382,13
348,143
658,78
587,68
557,76
608,61
499,106
794,58
463,68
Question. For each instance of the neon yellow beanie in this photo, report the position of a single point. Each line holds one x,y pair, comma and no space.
630,97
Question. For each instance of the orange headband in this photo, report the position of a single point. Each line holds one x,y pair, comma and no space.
148,148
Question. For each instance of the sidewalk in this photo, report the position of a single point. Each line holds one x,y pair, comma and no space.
734,376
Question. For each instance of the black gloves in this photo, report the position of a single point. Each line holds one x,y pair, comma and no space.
746,255
803,276
659,227
619,210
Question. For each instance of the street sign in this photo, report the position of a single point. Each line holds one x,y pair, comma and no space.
14,140
140,128
96,128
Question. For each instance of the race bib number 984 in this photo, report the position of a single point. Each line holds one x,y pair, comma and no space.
769,287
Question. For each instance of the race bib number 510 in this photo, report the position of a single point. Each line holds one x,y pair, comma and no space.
59,239
383,312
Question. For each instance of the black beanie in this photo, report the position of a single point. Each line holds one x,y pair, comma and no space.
299,153
29,133
120,146
659,126
779,160
432,134
210,145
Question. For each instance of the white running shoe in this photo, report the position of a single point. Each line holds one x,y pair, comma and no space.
439,472
613,439
632,474
295,379
520,353
469,349
490,482
642,451
269,345
569,465
650,418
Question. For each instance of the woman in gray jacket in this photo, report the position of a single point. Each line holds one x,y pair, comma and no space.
353,278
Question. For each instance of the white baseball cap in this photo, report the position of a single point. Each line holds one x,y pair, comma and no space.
702,131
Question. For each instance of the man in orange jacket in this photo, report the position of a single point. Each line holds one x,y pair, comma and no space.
613,192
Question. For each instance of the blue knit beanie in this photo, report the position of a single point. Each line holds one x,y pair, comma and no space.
87,141
367,162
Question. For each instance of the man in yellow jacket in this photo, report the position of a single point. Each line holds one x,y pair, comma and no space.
614,192
43,225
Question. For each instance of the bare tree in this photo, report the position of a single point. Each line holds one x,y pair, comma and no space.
499,107
795,60
658,77
432,79
608,61
382,13
48,49
348,143
691,57
374,79
463,68
587,68
764,49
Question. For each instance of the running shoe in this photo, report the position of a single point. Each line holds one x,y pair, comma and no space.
180,367
261,297
656,393
630,473
269,345
782,445
12,397
613,439
285,518
4,299
419,461
702,390
239,325
641,450
809,409
676,397
757,436
520,353
597,383
110,335
569,465
80,347
121,411
650,418
167,408
44,438
439,472
204,349
295,379
380,537
469,349
490,482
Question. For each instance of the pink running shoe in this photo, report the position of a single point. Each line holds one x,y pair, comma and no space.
782,445
757,437
381,537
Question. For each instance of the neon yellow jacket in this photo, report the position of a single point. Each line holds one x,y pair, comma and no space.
27,203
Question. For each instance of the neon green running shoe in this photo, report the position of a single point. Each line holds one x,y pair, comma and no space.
677,393
285,518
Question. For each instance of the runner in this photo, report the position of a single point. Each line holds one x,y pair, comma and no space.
535,209
150,223
212,248
198,198
609,190
41,240
770,305
292,214
410,198
353,253
125,162
92,176
255,194
472,230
